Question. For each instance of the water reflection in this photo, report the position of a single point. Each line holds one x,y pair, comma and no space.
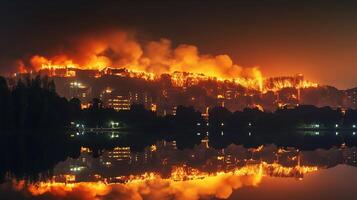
164,171
164,159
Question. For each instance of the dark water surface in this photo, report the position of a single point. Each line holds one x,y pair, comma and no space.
164,170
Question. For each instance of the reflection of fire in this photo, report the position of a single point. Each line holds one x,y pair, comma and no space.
184,183
118,50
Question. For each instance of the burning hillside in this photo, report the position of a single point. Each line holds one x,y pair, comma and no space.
120,51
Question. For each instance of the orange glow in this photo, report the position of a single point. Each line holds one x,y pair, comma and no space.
183,183
67,68
258,149
119,53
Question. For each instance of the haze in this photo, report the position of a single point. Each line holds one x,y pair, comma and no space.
316,38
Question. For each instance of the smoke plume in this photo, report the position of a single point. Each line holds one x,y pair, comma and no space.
120,49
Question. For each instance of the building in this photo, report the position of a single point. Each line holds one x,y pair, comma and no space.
122,72
59,72
85,73
124,100
118,155
80,91
352,97
119,102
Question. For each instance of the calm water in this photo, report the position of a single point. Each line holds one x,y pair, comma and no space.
162,171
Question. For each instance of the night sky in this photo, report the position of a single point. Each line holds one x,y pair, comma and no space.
316,38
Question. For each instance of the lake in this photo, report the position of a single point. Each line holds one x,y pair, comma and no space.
164,171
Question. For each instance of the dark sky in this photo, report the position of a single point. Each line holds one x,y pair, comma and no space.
313,37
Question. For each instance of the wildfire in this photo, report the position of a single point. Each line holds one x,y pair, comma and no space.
298,82
219,184
67,68
119,50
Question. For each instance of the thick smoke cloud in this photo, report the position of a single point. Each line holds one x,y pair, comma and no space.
122,49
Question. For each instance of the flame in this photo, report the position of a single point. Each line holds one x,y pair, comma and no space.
119,50
258,149
183,183
276,84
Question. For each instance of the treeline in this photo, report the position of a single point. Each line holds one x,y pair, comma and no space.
300,117
221,119
138,118
33,104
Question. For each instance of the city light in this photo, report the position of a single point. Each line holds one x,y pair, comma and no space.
76,169
92,108
114,124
